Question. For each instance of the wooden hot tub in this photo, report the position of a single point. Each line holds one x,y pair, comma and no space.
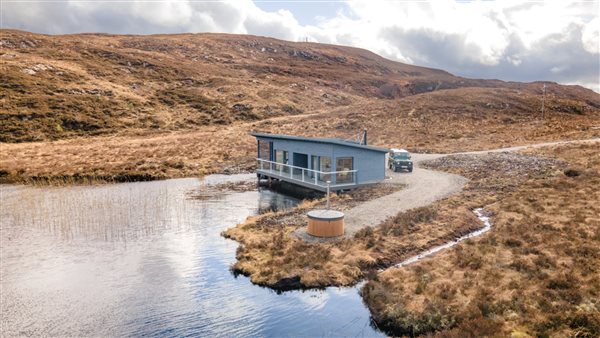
325,223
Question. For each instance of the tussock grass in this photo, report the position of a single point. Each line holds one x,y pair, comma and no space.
533,274
270,254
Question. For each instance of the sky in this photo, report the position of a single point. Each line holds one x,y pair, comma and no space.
508,40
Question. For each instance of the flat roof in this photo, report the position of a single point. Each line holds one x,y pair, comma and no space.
335,141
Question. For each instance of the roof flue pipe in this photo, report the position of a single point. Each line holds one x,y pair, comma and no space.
364,142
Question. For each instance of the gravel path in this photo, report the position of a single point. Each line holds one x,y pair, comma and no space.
423,187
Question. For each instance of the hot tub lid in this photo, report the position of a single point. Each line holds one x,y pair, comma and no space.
326,215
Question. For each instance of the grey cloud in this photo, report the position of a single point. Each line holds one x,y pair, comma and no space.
132,18
557,57
119,18
65,18
432,48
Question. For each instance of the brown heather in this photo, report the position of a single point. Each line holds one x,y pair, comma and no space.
116,108
93,108
534,274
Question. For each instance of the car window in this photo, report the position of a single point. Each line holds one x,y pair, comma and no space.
401,156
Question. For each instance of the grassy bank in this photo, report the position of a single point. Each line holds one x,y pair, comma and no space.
534,274
230,149
272,255
114,108
125,158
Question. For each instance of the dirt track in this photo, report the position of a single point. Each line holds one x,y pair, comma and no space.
423,187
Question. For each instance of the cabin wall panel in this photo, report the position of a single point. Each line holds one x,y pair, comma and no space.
370,164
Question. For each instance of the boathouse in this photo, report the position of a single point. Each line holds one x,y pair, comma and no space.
312,162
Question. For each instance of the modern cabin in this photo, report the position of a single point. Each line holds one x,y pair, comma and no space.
312,162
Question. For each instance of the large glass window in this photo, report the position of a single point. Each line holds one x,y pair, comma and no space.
314,164
324,165
264,150
281,156
345,165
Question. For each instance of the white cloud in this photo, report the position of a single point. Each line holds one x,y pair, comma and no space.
590,36
511,40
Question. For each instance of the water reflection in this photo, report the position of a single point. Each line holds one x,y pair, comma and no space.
271,201
142,259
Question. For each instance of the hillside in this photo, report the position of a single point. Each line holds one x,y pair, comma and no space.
146,107
96,108
56,87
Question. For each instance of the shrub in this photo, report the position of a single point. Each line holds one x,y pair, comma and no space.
513,243
364,232
278,240
544,261
562,282
570,172
473,328
586,324
407,221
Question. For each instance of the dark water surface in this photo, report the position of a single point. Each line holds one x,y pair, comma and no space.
145,259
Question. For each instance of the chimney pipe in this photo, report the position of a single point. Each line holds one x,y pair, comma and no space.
364,137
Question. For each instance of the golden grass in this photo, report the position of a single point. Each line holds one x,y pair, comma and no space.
117,157
181,105
152,155
271,255
535,273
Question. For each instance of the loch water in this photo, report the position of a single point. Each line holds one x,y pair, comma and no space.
148,259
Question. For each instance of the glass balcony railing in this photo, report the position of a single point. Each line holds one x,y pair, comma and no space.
309,176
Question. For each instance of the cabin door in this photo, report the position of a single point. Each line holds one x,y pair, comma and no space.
300,160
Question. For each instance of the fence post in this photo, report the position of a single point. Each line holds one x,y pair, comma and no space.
302,174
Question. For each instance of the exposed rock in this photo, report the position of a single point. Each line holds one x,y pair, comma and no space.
506,164
78,91
304,54
241,107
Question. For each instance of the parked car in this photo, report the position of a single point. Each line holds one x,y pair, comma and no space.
399,159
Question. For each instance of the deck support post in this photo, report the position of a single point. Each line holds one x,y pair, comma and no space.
328,183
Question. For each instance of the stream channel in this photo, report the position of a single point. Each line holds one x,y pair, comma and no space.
147,259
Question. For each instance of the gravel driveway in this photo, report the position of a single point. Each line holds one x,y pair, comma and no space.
423,187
